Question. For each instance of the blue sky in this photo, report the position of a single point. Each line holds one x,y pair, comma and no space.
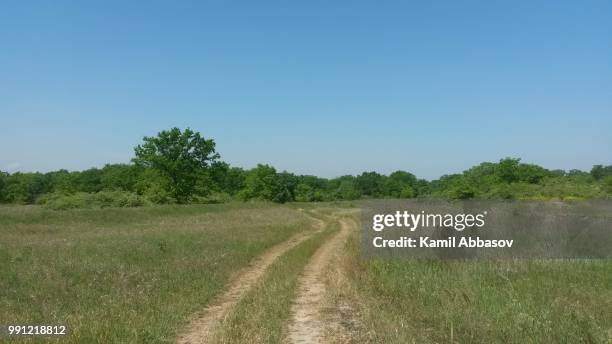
313,87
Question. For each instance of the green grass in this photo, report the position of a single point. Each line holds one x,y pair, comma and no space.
519,301
128,275
136,275
262,315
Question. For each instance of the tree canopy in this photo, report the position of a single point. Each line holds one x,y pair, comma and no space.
180,157
182,166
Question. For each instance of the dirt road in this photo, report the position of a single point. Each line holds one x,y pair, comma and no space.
309,321
203,326
317,315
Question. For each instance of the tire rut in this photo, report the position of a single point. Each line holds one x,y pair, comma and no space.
308,323
204,325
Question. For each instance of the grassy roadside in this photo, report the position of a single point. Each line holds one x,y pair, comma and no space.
128,275
408,301
262,315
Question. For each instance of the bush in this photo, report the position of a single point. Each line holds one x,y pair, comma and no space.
119,199
606,185
158,195
461,190
60,201
102,199
213,198
407,192
304,193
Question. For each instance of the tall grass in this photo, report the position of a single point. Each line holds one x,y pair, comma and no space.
128,275
520,301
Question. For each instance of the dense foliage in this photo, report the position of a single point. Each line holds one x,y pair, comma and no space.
180,157
181,167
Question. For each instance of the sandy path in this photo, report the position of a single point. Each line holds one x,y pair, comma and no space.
202,328
308,323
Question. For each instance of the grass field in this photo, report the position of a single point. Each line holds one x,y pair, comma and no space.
138,275
408,301
128,275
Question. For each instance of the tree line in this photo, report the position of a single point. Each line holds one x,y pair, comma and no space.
183,167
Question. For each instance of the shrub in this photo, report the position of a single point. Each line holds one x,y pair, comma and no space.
213,198
304,193
607,185
157,194
60,201
103,199
120,199
461,190
407,192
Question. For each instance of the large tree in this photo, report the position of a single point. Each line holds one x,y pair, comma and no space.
181,157
400,184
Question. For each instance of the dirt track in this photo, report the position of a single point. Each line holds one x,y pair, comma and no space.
202,328
308,322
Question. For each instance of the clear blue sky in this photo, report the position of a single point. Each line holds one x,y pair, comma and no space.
313,87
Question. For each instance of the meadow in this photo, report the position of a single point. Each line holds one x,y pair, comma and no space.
504,301
137,275
128,275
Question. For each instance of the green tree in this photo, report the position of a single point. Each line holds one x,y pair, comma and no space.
400,184
179,157
508,170
371,184
154,187
24,188
461,189
264,183
260,183
88,180
347,189
62,181
599,171
286,183
532,174
226,179
234,180
304,193
121,177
